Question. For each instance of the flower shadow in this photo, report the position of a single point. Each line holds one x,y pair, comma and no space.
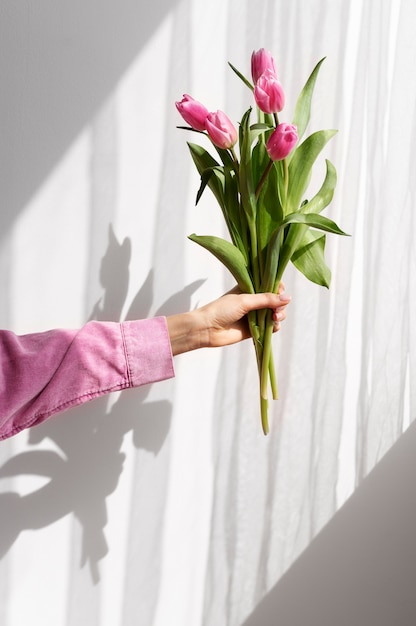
86,465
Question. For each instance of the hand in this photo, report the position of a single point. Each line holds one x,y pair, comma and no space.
224,321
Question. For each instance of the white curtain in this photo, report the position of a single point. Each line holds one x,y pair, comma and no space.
166,504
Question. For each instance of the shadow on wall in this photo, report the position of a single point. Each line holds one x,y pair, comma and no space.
59,61
88,467
361,569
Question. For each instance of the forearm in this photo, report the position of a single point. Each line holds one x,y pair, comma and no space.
46,373
187,332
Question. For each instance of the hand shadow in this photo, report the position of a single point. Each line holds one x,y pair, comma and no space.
87,468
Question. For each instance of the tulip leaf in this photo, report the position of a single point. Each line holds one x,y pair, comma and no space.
260,159
326,192
261,126
246,182
241,76
270,216
300,167
194,130
279,254
201,157
302,112
314,220
272,261
233,214
222,182
230,256
204,162
225,156
219,184
318,203
309,258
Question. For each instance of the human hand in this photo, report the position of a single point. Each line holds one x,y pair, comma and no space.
223,321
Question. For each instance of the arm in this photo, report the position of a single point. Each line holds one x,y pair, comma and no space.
46,373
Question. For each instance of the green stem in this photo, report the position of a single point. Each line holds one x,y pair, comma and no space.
254,254
264,405
272,376
285,177
234,156
267,351
263,178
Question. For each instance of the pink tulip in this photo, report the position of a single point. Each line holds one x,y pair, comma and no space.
193,112
282,141
260,62
268,93
221,130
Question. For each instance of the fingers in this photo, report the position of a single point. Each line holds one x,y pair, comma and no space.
254,302
278,316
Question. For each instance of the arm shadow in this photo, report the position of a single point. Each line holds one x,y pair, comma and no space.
86,464
361,568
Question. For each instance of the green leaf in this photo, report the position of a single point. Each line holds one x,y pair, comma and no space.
217,186
233,213
269,209
300,166
272,261
315,221
241,76
246,182
225,156
222,182
194,130
230,256
310,260
282,253
302,112
297,231
204,162
326,192
201,157
261,126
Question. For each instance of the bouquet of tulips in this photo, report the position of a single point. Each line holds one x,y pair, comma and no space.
260,189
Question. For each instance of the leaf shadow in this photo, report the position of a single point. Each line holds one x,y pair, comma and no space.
86,465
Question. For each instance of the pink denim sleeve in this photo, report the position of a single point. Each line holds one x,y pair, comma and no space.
46,373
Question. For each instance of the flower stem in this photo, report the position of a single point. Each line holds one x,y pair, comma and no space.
272,376
267,353
263,178
264,405
285,177
254,254
234,156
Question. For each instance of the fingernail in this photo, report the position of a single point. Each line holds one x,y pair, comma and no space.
284,297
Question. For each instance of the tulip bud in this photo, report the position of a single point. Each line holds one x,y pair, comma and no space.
260,62
193,112
282,141
268,93
220,130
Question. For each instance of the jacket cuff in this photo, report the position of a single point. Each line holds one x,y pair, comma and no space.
148,351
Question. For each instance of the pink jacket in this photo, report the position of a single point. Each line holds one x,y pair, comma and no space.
45,373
